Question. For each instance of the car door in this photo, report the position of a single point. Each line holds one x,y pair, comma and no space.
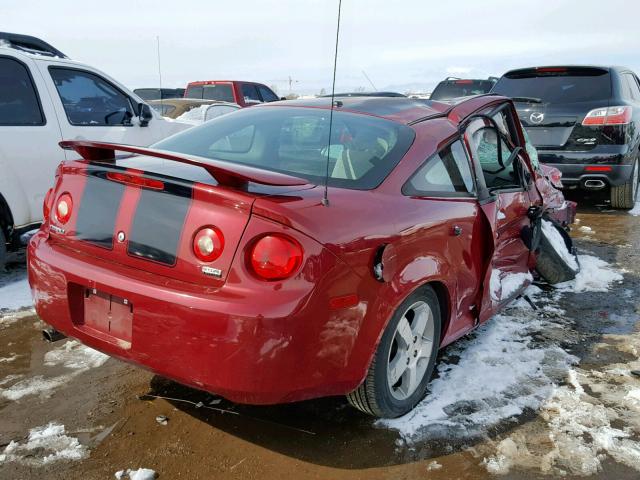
505,193
444,187
92,107
29,136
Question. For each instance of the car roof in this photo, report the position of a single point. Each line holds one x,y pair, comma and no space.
573,66
398,109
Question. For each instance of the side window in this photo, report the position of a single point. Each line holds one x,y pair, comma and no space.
267,95
19,104
447,172
494,156
215,111
89,100
250,93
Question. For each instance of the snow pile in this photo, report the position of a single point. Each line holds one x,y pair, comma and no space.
499,374
15,296
504,284
595,275
44,445
557,242
72,356
635,211
140,474
195,116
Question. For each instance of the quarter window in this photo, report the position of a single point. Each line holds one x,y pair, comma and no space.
89,100
250,93
19,103
634,90
446,172
267,95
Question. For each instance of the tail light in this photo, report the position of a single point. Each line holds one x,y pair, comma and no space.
46,205
64,207
608,116
208,243
275,257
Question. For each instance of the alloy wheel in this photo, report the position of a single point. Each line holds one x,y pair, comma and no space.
411,350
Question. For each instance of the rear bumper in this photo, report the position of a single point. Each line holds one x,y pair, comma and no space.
248,348
573,165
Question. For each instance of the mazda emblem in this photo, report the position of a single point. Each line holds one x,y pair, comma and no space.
536,117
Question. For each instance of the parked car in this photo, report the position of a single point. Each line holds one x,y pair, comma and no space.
159,93
585,121
243,93
44,98
192,111
218,259
453,87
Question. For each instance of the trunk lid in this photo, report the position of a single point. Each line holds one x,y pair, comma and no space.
127,212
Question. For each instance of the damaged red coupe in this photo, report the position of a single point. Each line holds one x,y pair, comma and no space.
217,258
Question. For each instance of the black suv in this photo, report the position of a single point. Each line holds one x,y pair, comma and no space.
453,87
585,121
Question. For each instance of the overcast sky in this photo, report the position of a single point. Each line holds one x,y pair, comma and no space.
401,45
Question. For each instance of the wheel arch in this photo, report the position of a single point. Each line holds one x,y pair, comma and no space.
6,218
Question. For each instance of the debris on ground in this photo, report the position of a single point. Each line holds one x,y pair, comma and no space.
162,419
44,445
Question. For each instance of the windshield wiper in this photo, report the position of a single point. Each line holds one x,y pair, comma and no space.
526,99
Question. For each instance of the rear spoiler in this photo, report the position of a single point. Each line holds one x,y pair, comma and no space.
225,173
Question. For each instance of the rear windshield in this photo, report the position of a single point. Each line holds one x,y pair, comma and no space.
460,88
564,86
295,141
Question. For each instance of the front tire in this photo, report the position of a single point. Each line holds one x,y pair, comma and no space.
624,196
553,266
404,360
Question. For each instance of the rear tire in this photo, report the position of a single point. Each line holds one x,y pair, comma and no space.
624,196
411,362
3,251
550,264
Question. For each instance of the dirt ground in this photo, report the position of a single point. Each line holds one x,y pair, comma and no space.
112,409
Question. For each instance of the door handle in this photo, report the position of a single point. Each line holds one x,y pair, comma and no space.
457,230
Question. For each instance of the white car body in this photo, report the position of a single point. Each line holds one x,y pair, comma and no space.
30,154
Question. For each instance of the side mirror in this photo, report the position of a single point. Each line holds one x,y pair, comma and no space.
145,114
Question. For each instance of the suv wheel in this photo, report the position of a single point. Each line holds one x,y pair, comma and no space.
404,361
624,196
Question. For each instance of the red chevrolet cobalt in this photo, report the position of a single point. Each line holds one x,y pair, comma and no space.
216,257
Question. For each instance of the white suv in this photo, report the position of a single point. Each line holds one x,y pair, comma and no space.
46,98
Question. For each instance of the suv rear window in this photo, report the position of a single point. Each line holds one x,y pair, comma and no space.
460,88
557,85
363,150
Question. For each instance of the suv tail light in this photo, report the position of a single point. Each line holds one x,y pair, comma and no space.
275,257
608,116
64,207
208,243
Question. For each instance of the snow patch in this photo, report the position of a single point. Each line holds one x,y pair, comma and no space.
635,211
44,445
504,284
76,356
586,229
595,275
557,242
72,355
15,296
140,474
